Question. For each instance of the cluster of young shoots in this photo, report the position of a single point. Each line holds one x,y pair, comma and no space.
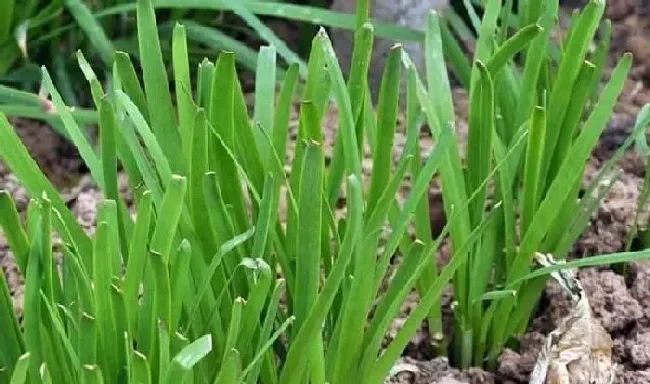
208,282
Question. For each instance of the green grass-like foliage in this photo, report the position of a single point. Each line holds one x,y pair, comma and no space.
33,31
550,110
188,291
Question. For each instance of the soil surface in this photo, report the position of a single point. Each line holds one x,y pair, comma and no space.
620,302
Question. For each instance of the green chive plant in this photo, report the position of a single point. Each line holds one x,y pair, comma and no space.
41,31
188,289
207,233
547,108
46,28
640,232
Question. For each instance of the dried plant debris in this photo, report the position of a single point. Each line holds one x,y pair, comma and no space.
579,351
436,371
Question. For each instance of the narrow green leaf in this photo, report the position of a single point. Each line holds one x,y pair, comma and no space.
593,261
82,116
247,152
163,346
531,193
353,314
204,83
535,55
137,259
88,331
47,257
6,20
172,205
107,128
156,84
158,154
234,327
222,227
148,317
361,56
183,86
342,96
485,42
575,112
19,375
570,66
252,372
257,297
11,337
264,89
131,83
221,115
479,142
198,168
161,245
309,231
377,218
95,86
179,281
187,358
282,116
532,10
121,323
108,143
386,126
32,305
74,131
13,230
474,18
230,369
93,30
102,271
264,349
91,374
45,376
511,47
264,219
317,86
59,333
227,247
300,349
150,180
140,372
310,14
162,298
357,87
